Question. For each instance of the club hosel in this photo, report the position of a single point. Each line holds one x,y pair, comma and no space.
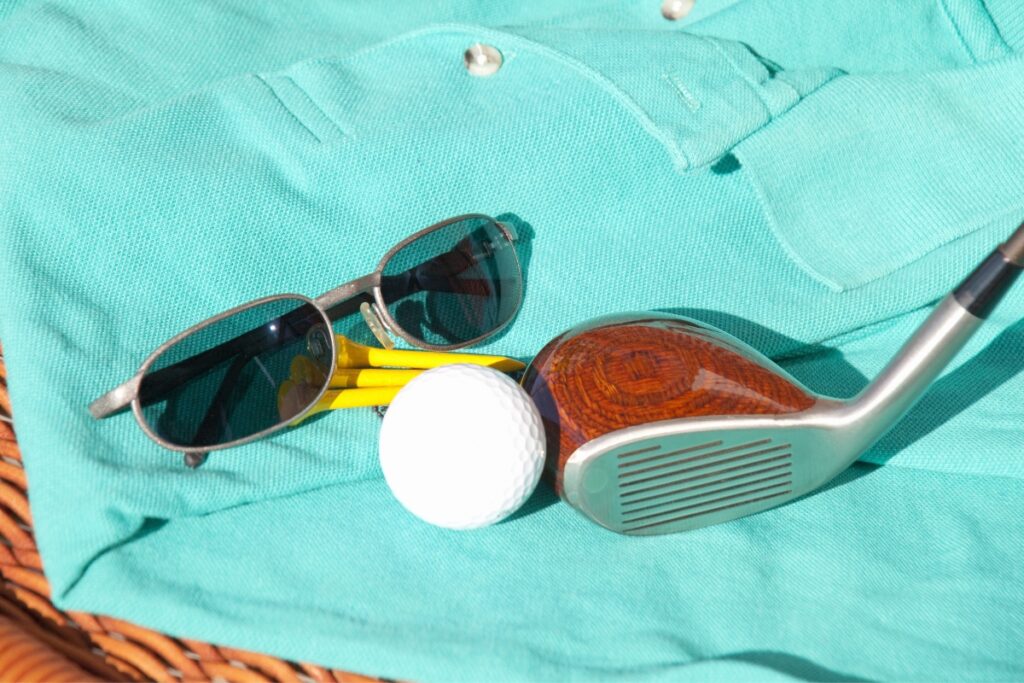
1013,248
906,378
983,289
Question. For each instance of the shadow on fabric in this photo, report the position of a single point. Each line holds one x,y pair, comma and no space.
960,389
790,665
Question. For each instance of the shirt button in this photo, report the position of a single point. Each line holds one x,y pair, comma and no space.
482,60
676,9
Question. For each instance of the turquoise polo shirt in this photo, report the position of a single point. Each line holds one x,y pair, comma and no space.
808,176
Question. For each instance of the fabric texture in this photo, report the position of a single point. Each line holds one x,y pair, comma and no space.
808,176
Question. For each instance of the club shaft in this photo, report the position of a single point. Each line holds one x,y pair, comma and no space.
937,342
982,291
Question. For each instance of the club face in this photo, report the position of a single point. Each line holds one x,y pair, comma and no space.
679,475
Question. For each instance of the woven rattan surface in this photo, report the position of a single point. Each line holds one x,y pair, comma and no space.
105,647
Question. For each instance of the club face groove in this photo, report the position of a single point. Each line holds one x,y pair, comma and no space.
697,463
659,456
772,474
679,479
717,495
630,454
742,497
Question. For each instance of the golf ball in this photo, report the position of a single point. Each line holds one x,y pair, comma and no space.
462,446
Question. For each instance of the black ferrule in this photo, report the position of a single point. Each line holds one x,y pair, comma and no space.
984,289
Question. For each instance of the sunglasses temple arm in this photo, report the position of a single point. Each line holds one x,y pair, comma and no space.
114,401
347,307
395,287
165,380
217,411
159,383
424,276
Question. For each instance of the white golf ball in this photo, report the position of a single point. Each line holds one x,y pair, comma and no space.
462,446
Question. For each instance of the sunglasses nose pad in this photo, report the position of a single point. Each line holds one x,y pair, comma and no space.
373,321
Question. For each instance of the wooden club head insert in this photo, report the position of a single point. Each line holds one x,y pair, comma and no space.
624,370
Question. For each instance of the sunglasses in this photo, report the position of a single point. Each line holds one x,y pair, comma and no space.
216,385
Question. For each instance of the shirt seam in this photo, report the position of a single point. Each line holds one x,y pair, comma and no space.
288,109
958,32
995,25
754,85
304,94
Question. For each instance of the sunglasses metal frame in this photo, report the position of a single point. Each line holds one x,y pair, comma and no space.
126,394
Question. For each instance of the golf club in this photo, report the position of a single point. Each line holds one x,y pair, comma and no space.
657,424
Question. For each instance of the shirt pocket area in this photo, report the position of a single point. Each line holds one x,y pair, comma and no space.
873,173
697,96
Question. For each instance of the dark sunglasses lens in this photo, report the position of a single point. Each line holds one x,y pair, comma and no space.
238,376
454,284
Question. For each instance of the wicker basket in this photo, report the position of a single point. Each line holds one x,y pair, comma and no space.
105,647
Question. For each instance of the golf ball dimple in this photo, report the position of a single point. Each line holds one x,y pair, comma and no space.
462,446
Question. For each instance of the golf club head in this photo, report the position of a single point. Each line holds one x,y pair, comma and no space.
657,424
